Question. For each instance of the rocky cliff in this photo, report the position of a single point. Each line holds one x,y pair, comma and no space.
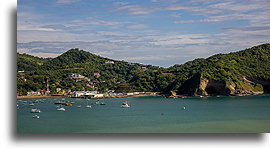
199,85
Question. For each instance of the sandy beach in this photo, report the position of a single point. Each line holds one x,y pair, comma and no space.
120,96
30,97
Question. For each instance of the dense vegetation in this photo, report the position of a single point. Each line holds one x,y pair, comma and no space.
124,76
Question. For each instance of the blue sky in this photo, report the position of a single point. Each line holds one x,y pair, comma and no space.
157,32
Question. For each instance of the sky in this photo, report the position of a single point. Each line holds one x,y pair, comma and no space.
157,32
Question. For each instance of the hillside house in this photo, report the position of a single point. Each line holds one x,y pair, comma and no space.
97,74
75,76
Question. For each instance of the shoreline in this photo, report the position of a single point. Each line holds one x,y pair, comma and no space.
31,97
125,96
107,97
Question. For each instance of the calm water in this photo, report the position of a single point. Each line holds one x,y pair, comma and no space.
247,114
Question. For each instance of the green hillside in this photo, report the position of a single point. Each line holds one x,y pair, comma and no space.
245,71
113,74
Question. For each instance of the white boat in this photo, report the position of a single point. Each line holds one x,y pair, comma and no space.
61,109
31,104
125,105
36,116
88,106
35,110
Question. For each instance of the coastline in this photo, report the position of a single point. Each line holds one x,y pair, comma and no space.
106,97
31,97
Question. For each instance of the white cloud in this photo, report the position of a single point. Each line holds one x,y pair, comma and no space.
181,40
136,9
131,40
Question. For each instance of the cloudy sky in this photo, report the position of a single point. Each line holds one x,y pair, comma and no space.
158,32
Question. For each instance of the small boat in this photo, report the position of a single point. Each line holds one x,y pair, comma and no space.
125,105
63,103
58,102
67,104
61,108
35,116
31,104
36,101
88,106
35,110
97,102
79,106
183,107
102,103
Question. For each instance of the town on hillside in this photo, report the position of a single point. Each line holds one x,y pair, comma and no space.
91,94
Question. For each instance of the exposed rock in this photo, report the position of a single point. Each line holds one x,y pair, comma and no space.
198,85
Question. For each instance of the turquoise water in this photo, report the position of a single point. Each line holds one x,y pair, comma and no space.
245,114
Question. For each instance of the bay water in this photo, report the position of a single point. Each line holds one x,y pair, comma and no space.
224,114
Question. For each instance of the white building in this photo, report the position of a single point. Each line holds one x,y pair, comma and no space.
87,94
75,76
33,93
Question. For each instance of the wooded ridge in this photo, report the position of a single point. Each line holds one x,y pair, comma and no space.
242,72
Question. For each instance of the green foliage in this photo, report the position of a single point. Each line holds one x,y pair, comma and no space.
222,67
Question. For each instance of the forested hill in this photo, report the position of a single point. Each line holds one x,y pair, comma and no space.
246,71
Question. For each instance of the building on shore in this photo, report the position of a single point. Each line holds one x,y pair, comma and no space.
33,93
87,94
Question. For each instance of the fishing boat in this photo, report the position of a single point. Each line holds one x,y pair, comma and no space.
63,103
35,110
67,104
125,105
